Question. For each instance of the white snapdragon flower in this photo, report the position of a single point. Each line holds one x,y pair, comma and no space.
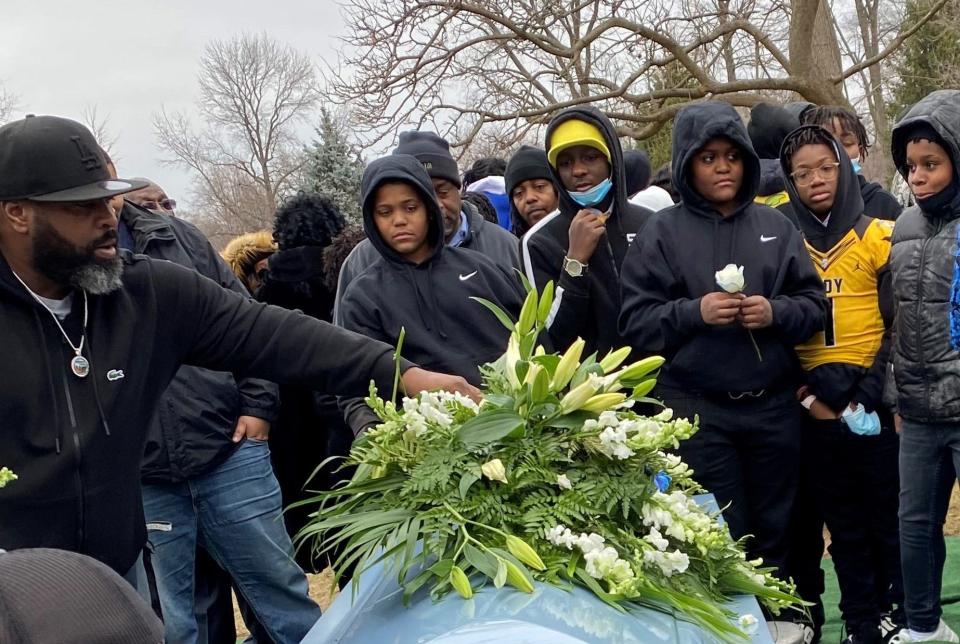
657,540
613,443
590,542
670,563
560,535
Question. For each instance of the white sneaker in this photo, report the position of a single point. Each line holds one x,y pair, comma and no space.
790,633
943,634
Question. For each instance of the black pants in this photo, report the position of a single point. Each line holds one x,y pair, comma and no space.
747,454
806,531
857,486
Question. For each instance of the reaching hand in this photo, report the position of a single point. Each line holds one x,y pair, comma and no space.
416,380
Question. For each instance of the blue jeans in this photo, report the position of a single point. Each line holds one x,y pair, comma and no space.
234,511
929,461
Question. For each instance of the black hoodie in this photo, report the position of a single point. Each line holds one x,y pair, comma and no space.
673,264
445,329
586,306
848,361
76,444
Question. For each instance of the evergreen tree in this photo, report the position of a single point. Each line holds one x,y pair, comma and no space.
930,59
334,167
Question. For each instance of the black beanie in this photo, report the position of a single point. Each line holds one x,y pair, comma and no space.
433,152
58,596
637,165
769,126
526,163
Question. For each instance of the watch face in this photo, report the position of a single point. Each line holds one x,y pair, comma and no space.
573,268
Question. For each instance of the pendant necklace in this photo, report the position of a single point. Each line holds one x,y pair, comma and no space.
79,365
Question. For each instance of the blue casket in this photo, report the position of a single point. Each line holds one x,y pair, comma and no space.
549,615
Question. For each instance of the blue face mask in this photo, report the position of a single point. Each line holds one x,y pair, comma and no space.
594,195
860,422
856,165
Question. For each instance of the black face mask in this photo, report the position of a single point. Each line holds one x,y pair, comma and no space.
944,204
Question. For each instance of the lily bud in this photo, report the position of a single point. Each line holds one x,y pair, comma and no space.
517,579
644,388
528,314
614,359
524,552
578,396
641,368
546,302
460,583
494,470
532,373
603,402
512,358
568,365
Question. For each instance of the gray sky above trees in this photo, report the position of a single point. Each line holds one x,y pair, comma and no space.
130,57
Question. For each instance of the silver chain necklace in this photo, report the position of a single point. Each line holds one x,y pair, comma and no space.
79,365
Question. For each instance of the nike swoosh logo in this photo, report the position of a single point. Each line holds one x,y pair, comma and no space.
764,240
464,278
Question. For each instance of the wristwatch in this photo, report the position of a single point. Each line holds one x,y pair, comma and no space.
574,268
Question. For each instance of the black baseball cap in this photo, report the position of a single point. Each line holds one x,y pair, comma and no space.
48,158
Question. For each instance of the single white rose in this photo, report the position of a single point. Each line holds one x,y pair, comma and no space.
730,279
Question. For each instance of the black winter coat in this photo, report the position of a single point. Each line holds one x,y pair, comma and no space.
191,432
77,444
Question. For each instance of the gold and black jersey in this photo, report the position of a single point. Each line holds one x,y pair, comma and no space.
853,328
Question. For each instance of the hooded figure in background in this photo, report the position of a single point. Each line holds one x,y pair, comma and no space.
529,183
769,126
247,257
729,350
420,285
581,247
639,189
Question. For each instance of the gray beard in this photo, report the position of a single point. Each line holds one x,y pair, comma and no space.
99,278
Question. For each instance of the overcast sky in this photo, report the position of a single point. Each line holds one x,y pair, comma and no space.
132,57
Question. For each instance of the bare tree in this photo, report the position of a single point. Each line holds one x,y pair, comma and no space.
8,103
245,156
99,126
464,65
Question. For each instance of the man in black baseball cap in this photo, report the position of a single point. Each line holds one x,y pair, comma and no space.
54,165
93,336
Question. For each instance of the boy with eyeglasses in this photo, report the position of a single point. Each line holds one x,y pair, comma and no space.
853,447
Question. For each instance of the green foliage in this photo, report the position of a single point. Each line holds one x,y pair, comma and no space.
930,58
334,167
549,479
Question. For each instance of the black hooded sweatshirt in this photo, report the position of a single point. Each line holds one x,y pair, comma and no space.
445,329
851,254
673,264
586,306
76,443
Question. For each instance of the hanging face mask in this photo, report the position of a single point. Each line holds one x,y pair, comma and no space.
856,165
594,195
860,422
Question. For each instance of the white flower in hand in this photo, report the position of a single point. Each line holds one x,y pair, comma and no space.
730,279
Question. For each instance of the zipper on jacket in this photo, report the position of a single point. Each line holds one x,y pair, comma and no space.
919,307
78,459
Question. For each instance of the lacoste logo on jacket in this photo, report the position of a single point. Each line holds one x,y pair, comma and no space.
115,374
764,239
464,278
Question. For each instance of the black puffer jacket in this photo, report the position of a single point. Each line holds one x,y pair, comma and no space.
926,279
191,432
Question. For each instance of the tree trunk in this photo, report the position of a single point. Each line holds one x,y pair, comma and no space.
815,52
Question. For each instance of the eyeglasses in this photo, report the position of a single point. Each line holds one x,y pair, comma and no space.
163,204
826,172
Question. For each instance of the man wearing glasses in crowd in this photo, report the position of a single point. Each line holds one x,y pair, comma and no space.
153,198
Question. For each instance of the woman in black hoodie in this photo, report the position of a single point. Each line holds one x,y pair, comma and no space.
730,356
421,285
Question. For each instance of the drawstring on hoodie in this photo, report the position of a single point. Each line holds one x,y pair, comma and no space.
53,390
96,390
